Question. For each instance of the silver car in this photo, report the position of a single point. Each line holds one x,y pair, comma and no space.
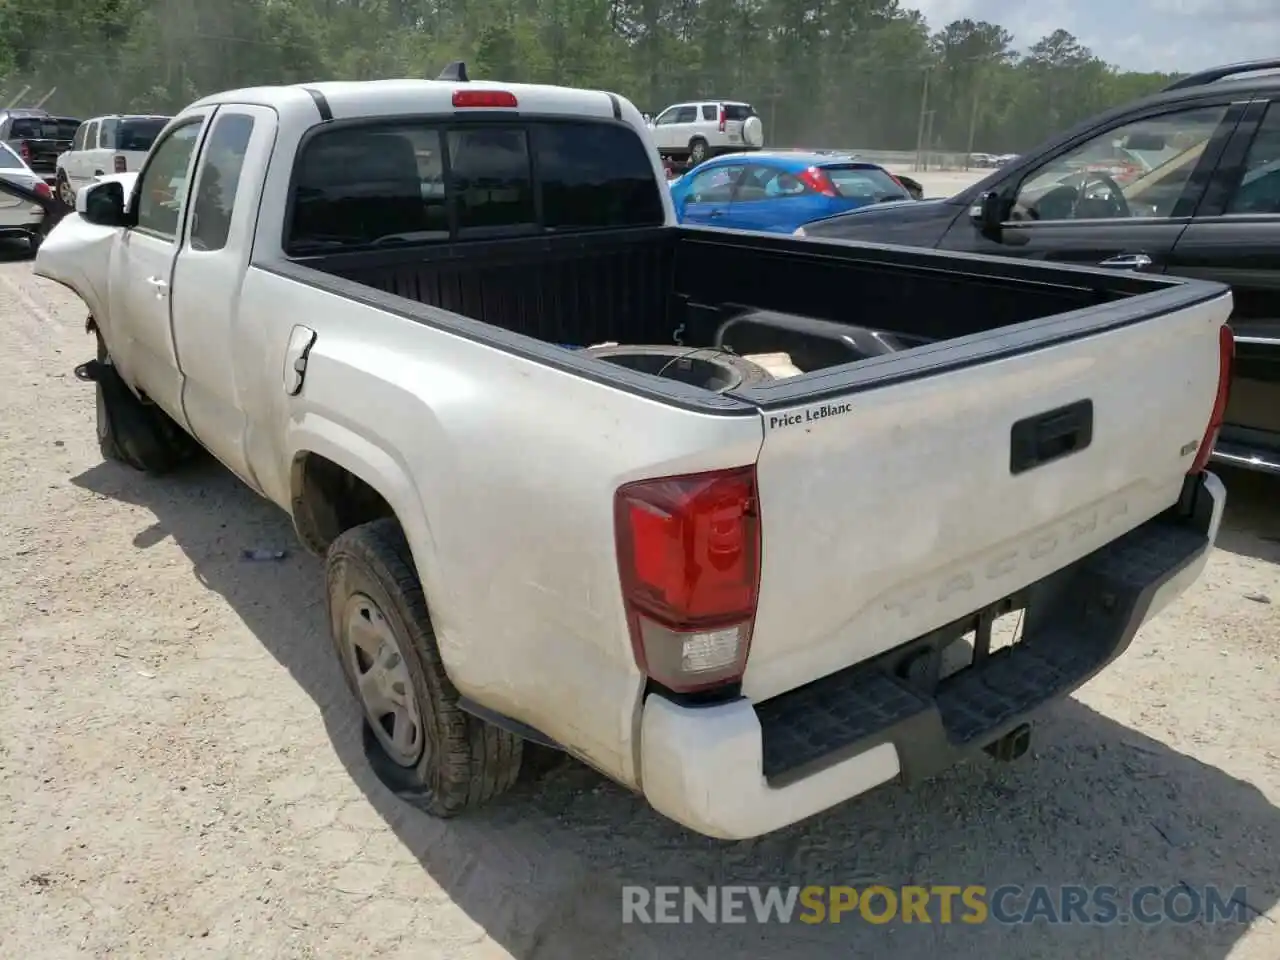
22,214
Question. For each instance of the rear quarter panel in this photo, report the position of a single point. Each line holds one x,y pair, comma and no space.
502,471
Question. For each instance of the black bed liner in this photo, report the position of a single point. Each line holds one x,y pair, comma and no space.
529,295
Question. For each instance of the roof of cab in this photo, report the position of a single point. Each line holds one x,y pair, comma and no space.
349,99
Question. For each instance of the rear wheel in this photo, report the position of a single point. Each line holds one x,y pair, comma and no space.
418,740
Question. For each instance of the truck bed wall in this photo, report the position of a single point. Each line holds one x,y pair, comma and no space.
569,290
641,286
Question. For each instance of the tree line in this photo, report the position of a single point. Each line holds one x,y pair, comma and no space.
838,73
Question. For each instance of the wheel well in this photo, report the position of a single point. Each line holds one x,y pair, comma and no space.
329,499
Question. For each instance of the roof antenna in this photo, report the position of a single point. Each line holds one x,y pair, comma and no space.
455,72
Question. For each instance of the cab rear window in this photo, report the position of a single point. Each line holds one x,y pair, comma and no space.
384,184
43,128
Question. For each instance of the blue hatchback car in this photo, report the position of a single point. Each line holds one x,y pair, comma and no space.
778,192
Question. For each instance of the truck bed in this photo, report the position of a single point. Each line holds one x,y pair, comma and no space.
678,284
933,481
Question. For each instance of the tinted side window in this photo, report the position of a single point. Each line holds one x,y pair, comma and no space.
738,111
162,186
595,175
686,115
77,142
1139,169
91,138
491,180
709,111
1259,190
215,195
715,185
107,134
139,134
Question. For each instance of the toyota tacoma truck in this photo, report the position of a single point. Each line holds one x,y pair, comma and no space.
749,523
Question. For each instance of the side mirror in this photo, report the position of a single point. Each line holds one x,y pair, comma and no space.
102,204
988,213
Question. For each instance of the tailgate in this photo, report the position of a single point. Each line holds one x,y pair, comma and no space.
45,153
894,510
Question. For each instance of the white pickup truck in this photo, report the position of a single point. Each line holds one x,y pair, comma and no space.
725,581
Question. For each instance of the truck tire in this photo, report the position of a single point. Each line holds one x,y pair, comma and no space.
130,431
452,762
65,193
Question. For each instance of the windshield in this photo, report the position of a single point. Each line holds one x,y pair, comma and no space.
139,134
865,183
8,159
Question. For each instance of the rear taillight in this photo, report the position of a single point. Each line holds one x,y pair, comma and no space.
43,190
689,561
1226,357
817,181
724,118
24,151
118,163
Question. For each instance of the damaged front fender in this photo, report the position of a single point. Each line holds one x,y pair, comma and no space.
79,255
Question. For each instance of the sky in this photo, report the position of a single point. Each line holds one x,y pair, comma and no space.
1166,35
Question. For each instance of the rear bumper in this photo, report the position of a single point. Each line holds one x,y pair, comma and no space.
739,770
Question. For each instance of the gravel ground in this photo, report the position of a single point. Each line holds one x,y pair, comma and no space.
181,772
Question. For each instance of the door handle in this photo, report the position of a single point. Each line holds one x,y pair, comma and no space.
296,353
1049,436
1127,261
714,213
160,286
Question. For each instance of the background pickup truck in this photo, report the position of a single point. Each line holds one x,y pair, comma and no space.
38,138
728,583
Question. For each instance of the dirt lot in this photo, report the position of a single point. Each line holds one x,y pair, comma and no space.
181,773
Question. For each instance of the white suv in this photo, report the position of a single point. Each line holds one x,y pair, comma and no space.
115,144
696,131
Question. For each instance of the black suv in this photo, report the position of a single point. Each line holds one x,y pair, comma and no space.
1185,182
